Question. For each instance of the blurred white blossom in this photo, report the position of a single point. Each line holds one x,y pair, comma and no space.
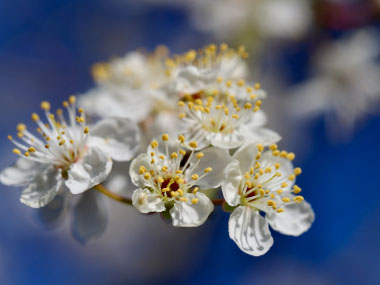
345,87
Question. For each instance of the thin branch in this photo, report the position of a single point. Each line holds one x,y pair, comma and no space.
112,195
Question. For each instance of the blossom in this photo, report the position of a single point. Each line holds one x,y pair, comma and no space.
193,71
226,114
128,86
345,86
263,181
67,154
171,177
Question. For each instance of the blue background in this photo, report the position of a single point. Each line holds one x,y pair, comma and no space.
46,50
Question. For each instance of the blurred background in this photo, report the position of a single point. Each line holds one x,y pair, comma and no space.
319,62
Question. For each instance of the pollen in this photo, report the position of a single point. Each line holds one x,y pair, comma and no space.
194,176
194,201
193,144
16,151
165,137
45,105
207,170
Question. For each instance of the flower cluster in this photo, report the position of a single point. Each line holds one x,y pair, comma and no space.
212,136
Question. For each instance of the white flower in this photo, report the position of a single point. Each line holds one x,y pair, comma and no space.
128,86
194,71
226,114
171,176
346,84
262,181
67,154
279,19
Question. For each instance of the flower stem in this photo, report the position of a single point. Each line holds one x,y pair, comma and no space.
112,195
218,202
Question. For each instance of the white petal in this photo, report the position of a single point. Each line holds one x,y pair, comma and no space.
147,202
142,160
215,158
229,141
246,155
21,173
232,179
43,189
294,221
89,171
89,217
258,119
187,214
118,137
262,135
107,101
250,231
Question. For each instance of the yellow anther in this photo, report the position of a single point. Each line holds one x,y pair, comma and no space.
182,115
257,86
180,191
219,79
142,169
284,184
165,190
65,104
59,112
154,144
277,165
258,155
21,127
207,170
181,138
190,105
297,171
256,109
174,155
152,161
178,171
247,106
279,191
249,89
195,190
10,137
86,130
276,153
194,176
164,169
81,110
160,180
292,177
193,144
199,102
272,196
283,154
45,105
62,142
181,104
246,175
183,199
174,193
16,151
273,147
286,199
278,174
47,146
165,137
268,169
296,189
35,117
72,141
235,116
31,149
27,154
182,152
147,176
152,154
291,156
194,201
241,83
72,99
270,203
228,84
280,210
262,192
260,147
162,157
298,199
248,183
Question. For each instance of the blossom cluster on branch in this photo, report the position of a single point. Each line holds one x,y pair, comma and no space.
188,123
